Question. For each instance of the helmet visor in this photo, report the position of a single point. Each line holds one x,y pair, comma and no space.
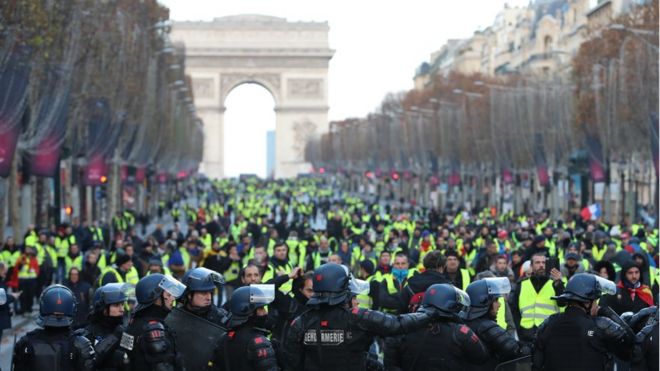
358,287
606,287
262,294
462,299
116,292
172,286
203,273
498,286
3,296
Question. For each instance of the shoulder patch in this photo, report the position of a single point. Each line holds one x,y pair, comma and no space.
464,329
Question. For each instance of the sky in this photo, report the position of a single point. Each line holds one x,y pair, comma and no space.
378,45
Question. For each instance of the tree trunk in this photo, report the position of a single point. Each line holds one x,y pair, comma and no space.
14,194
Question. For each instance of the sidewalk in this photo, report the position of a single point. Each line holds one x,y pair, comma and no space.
21,326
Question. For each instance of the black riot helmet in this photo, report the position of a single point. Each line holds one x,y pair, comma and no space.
586,287
111,293
150,288
484,292
330,283
57,307
201,280
446,300
245,300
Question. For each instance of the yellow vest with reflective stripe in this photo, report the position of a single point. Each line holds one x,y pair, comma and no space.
465,277
113,271
501,313
207,241
70,263
391,286
536,307
364,300
271,273
598,253
26,272
132,276
232,272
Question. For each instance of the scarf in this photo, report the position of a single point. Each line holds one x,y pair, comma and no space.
642,291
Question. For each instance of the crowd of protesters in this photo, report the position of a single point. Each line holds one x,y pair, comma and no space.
253,231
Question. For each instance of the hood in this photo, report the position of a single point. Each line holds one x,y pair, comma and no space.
644,257
421,282
621,258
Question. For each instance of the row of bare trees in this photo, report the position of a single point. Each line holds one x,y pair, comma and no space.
604,113
92,86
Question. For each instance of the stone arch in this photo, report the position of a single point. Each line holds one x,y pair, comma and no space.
289,59
270,82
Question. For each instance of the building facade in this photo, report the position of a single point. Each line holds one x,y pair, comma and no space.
540,39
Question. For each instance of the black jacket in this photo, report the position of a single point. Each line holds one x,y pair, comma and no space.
105,336
338,338
575,340
500,344
622,302
419,283
442,345
152,345
37,350
245,348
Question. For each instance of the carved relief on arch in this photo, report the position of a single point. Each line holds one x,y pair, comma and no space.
270,81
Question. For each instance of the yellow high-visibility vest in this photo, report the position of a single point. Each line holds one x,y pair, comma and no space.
536,307
501,313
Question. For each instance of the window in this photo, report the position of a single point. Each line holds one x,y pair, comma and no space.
547,44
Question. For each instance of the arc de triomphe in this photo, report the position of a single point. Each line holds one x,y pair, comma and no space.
289,59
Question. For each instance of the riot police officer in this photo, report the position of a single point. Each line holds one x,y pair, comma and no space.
107,324
245,347
148,340
446,344
197,322
645,355
584,335
333,336
198,298
54,346
484,307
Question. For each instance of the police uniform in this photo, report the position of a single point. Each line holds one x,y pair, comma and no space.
338,338
330,336
246,346
149,342
500,344
576,340
105,336
251,349
446,343
54,347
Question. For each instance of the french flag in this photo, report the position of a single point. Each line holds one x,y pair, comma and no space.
591,212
